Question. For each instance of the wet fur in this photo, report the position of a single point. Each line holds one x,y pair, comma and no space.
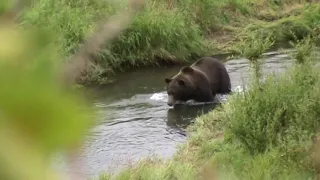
201,81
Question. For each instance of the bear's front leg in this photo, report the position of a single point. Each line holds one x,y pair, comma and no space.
205,95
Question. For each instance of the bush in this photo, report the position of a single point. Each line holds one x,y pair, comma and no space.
235,163
284,112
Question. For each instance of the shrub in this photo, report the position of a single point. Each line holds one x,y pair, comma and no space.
285,114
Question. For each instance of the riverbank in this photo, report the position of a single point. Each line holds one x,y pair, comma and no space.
171,33
270,131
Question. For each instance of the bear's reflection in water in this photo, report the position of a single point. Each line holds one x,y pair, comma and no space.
182,115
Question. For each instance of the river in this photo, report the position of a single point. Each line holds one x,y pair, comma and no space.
135,121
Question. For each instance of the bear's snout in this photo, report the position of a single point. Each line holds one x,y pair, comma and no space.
170,100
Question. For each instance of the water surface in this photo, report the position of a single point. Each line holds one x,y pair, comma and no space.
135,121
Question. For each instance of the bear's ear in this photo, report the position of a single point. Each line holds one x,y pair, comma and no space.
181,82
167,80
187,69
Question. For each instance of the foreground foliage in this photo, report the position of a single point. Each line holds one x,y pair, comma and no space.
37,117
40,114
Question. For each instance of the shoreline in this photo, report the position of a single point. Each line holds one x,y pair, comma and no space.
279,47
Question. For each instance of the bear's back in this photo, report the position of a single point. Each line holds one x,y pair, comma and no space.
216,73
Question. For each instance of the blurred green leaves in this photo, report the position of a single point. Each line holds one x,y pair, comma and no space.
37,115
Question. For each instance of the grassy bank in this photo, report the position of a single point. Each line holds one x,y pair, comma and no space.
266,132
172,32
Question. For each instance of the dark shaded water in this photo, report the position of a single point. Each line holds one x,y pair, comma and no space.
135,121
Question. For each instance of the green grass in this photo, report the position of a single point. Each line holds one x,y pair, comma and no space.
157,35
266,132
179,34
299,24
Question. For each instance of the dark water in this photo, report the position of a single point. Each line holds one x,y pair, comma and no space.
132,125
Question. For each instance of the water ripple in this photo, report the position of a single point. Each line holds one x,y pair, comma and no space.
136,122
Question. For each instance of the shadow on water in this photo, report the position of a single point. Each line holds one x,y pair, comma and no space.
181,116
134,123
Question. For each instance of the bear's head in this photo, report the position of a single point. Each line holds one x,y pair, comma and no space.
180,87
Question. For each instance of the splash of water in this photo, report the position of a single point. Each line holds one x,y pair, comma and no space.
159,96
162,96
238,89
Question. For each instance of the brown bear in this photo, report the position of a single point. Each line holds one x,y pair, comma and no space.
201,82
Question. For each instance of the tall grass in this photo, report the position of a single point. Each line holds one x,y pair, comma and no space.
157,35
212,15
252,48
161,34
290,27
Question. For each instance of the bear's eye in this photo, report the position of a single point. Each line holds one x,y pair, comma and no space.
181,82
